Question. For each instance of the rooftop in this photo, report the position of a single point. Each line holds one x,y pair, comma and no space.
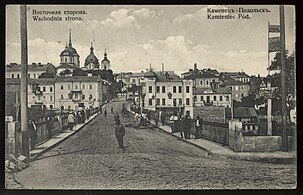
241,112
31,67
235,74
220,90
78,78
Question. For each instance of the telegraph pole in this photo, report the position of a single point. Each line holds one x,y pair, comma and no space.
283,79
24,100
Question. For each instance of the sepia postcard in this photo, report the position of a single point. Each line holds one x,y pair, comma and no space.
146,97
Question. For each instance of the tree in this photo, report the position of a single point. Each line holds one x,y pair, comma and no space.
47,75
65,72
79,72
290,71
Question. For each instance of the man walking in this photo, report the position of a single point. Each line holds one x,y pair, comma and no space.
112,110
187,126
117,118
105,113
71,120
119,133
173,119
198,126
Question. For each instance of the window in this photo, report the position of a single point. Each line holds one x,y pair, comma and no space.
61,86
180,101
231,88
202,98
28,75
90,97
201,82
242,95
65,59
76,86
90,87
206,82
174,89
163,89
158,89
76,96
33,97
34,76
44,89
236,88
13,75
174,102
68,86
158,102
18,76
180,89
51,89
133,80
163,101
150,101
51,106
187,89
242,87
39,98
237,95
221,98
227,98
62,107
51,98
215,98
61,96
83,86
150,89
68,108
187,101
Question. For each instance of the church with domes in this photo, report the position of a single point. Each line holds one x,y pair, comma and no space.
91,61
69,55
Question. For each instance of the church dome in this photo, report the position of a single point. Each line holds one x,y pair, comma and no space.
91,58
105,60
66,52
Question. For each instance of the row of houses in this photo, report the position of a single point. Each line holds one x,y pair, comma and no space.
60,93
195,89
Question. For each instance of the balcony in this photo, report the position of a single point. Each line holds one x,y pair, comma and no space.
208,103
76,91
39,92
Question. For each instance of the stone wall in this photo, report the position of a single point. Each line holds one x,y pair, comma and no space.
210,113
240,143
261,143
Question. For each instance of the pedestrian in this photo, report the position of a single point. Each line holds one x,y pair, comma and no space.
71,120
198,126
144,119
187,126
173,119
181,128
112,110
119,133
163,118
117,118
32,134
157,118
105,113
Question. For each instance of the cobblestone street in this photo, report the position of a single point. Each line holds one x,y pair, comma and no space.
90,159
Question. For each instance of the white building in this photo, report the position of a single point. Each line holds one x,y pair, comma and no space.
42,92
79,91
13,70
167,92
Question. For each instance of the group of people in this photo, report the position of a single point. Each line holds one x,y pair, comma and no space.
77,117
140,119
183,124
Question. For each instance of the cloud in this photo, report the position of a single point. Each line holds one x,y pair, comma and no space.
145,13
120,18
179,54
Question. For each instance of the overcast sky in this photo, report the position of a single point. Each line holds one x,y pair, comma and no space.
135,36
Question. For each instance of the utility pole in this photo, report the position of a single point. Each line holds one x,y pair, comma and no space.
24,100
283,79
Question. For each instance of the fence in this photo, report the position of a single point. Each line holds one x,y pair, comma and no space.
214,131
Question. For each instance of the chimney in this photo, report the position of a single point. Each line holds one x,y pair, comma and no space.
195,66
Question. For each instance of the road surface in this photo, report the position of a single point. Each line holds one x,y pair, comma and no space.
90,159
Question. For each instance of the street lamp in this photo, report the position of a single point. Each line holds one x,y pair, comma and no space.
34,87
